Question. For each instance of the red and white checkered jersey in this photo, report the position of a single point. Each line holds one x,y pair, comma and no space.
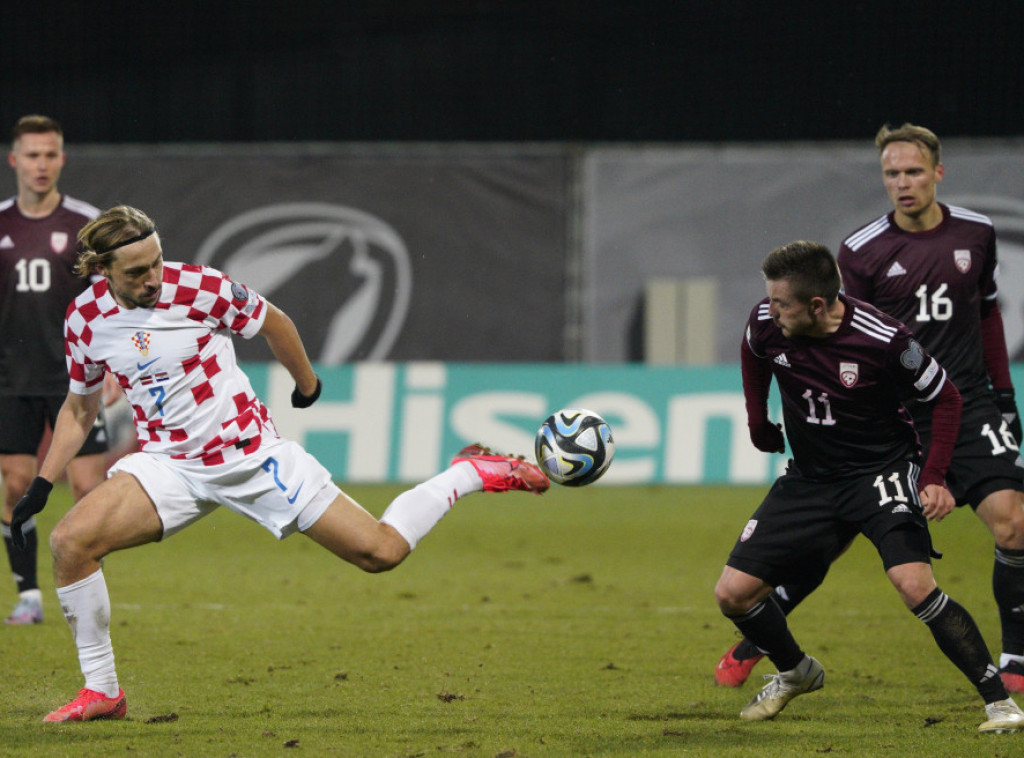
175,362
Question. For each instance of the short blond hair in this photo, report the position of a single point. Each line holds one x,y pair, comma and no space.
919,135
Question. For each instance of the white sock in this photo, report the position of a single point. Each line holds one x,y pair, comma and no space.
86,606
415,512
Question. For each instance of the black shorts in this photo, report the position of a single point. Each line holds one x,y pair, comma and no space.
23,422
801,525
986,456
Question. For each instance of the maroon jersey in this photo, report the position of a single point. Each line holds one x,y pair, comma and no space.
842,394
36,286
935,282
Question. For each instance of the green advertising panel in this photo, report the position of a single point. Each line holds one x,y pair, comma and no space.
402,422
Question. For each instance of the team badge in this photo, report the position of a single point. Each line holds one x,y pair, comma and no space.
849,373
59,242
913,356
250,298
141,342
748,530
962,259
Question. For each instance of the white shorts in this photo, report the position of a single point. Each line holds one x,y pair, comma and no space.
280,486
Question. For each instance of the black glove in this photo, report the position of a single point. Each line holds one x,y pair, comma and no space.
767,437
304,401
33,501
1008,407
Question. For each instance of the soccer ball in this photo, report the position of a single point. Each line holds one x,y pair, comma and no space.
574,447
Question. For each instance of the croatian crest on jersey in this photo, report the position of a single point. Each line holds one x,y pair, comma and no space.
59,241
962,260
849,373
141,342
748,530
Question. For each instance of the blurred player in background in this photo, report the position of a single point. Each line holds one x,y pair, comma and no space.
38,251
843,369
934,268
164,331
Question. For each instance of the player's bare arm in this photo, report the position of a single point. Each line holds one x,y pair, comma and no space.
74,422
285,343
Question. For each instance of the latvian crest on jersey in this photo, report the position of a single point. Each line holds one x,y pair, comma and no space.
962,259
141,342
849,373
59,242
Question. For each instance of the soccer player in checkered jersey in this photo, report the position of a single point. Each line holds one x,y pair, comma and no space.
843,369
38,251
164,330
933,267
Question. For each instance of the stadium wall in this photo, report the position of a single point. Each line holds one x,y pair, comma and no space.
525,253
402,422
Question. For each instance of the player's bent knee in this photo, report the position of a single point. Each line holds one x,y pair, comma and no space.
385,557
730,602
1008,532
382,553
1003,514
14,486
64,546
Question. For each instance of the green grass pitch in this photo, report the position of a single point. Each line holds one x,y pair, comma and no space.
581,623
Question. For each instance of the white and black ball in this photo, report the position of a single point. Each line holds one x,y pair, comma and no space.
574,447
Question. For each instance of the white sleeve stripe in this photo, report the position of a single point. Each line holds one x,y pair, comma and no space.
874,321
938,386
957,212
872,330
80,206
857,240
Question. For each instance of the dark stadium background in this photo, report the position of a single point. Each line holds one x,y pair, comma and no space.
480,70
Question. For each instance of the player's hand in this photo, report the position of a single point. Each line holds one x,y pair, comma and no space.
1008,407
33,501
304,401
767,437
937,502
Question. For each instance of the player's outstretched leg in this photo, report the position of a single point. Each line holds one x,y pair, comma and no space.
351,533
501,473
